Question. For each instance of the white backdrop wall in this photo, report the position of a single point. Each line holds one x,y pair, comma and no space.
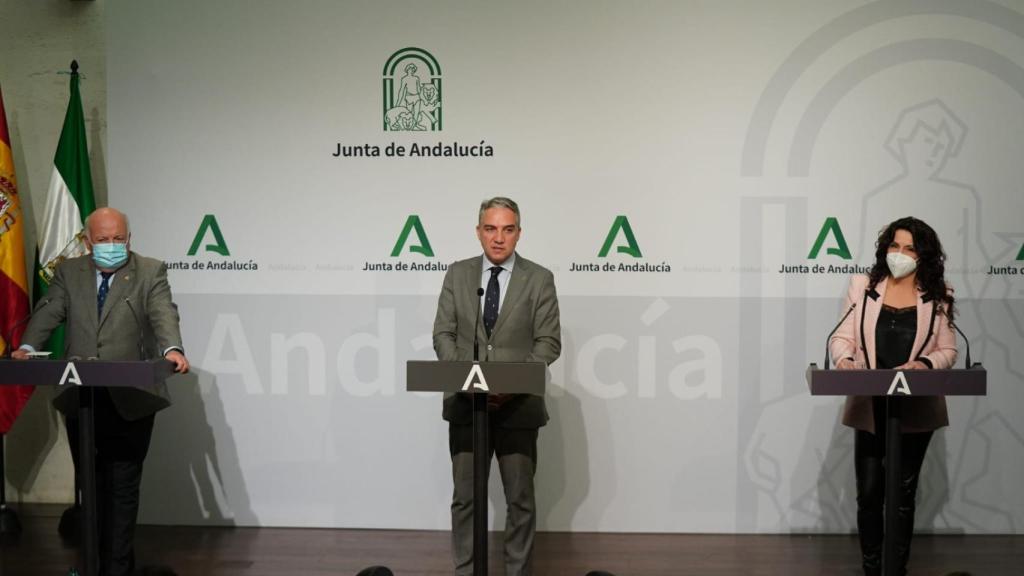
727,134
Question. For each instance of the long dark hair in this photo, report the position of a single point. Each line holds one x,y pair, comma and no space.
931,261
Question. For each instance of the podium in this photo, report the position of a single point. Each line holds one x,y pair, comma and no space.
894,385
86,374
478,379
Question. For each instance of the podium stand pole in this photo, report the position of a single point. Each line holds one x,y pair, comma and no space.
87,459
971,381
479,379
893,459
481,470
88,375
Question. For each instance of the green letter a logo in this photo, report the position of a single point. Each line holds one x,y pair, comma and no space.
841,250
209,224
1020,255
413,223
631,247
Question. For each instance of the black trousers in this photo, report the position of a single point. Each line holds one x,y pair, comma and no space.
121,447
869,463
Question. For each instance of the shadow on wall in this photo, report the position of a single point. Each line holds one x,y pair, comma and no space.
562,481
564,467
837,484
193,476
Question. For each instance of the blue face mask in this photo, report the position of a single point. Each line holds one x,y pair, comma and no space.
109,255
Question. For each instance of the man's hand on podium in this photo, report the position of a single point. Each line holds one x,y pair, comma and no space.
179,360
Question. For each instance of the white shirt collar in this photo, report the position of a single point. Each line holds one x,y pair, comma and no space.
507,264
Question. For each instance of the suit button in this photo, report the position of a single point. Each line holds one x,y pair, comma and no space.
490,347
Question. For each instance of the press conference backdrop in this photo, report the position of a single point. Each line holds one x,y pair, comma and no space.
701,177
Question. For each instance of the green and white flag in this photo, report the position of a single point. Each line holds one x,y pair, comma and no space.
69,200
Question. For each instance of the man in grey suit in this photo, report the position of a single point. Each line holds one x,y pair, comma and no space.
520,324
117,306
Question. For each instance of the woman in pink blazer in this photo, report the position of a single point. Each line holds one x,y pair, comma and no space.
902,310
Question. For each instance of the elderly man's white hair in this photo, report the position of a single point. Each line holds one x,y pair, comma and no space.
108,210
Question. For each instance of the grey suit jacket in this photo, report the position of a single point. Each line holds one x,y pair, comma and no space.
139,322
527,330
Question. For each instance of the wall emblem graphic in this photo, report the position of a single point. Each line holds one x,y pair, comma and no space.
209,225
412,91
413,224
840,249
621,224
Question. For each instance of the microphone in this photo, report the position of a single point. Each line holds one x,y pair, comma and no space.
142,347
829,337
967,360
476,326
9,336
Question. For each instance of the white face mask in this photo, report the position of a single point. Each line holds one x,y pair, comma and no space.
900,264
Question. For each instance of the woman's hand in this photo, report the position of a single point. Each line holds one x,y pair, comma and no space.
846,364
914,365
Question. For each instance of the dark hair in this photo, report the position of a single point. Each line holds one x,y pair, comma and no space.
931,261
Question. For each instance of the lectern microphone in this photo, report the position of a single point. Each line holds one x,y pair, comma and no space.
142,345
967,343
476,326
829,337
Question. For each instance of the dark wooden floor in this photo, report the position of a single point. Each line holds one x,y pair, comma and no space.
294,552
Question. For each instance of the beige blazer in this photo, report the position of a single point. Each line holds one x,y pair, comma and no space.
855,338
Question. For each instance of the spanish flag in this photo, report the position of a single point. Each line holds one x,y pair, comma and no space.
14,311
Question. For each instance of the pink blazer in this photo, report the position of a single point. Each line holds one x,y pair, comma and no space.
855,339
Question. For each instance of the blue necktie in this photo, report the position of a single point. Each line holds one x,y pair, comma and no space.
491,299
101,295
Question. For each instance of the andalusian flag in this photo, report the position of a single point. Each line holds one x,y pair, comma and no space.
68,202
13,282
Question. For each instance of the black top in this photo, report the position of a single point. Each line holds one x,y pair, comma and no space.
894,336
